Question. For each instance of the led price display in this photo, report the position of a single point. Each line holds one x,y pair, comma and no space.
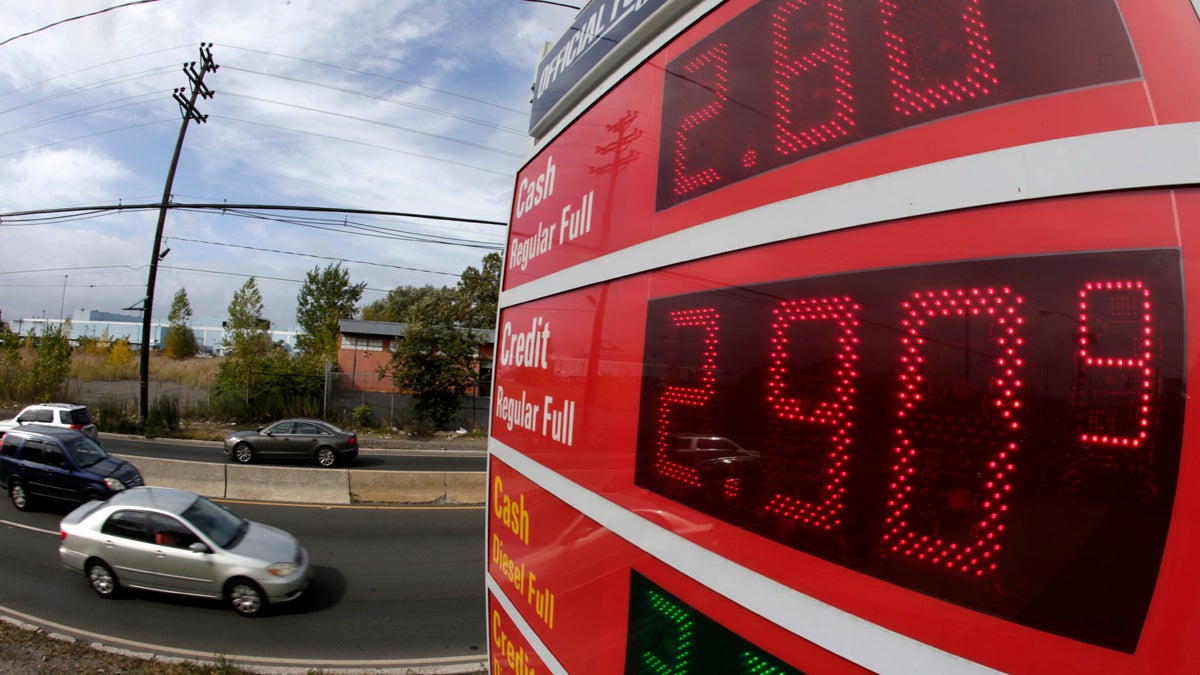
789,79
1003,434
666,636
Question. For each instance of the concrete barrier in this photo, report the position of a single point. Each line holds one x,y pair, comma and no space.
418,487
314,486
199,477
287,484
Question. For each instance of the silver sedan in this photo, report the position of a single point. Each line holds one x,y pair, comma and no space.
173,541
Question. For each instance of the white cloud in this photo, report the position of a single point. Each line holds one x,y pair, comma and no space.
375,104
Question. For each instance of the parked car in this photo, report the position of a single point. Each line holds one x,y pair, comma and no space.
39,461
301,438
65,415
174,541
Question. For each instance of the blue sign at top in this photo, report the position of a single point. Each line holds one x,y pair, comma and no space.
597,30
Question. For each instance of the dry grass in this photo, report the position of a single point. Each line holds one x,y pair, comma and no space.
25,651
199,373
109,367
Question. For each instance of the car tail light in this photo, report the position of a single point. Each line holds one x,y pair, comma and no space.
62,534
352,440
77,427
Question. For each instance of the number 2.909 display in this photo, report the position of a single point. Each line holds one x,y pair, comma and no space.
1003,434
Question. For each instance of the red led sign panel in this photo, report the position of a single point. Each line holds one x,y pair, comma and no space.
1003,434
789,79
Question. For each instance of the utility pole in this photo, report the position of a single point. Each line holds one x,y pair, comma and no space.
187,107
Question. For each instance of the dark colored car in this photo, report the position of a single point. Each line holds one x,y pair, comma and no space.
300,438
62,464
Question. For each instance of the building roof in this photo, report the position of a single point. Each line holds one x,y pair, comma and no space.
394,329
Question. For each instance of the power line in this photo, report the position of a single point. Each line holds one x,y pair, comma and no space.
522,113
375,122
386,99
368,145
74,18
249,207
310,255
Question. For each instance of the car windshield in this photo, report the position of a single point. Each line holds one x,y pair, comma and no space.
85,451
219,524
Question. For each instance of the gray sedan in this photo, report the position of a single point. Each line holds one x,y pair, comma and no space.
299,438
173,541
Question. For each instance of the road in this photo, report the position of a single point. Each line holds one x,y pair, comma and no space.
381,460
395,587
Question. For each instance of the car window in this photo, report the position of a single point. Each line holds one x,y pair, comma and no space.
309,429
52,455
32,451
170,532
280,428
220,525
79,416
129,525
37,415
85,451
10,445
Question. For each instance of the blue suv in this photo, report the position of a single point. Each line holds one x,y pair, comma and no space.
61,464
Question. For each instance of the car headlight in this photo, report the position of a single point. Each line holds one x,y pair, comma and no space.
114,484
282,569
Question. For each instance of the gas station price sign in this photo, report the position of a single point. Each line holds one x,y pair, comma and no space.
790,79
942,427
780,389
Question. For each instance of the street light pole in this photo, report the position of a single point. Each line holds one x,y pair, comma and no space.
188,108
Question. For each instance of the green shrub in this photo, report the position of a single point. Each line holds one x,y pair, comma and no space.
116,415
163,416
362,415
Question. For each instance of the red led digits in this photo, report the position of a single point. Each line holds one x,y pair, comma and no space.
973,468
921,37
1120,352
674,395
812,69
832,414
714,60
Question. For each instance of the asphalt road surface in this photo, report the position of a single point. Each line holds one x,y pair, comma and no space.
395,587
375,460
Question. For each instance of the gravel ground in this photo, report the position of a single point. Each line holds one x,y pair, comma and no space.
27,651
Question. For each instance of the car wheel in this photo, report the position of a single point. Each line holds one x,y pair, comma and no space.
20,498
102,579
92,497
326,457
243,453
246,597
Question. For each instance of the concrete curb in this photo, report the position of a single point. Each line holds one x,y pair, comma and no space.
314,486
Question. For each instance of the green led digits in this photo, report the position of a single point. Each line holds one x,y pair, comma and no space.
667,637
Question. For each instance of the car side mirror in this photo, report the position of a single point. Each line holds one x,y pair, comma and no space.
199,547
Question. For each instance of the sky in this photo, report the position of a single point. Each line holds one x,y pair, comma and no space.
382,105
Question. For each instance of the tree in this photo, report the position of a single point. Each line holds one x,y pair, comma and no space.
50,365
246,332
478,294
180,340
326,298
436,364
401,304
